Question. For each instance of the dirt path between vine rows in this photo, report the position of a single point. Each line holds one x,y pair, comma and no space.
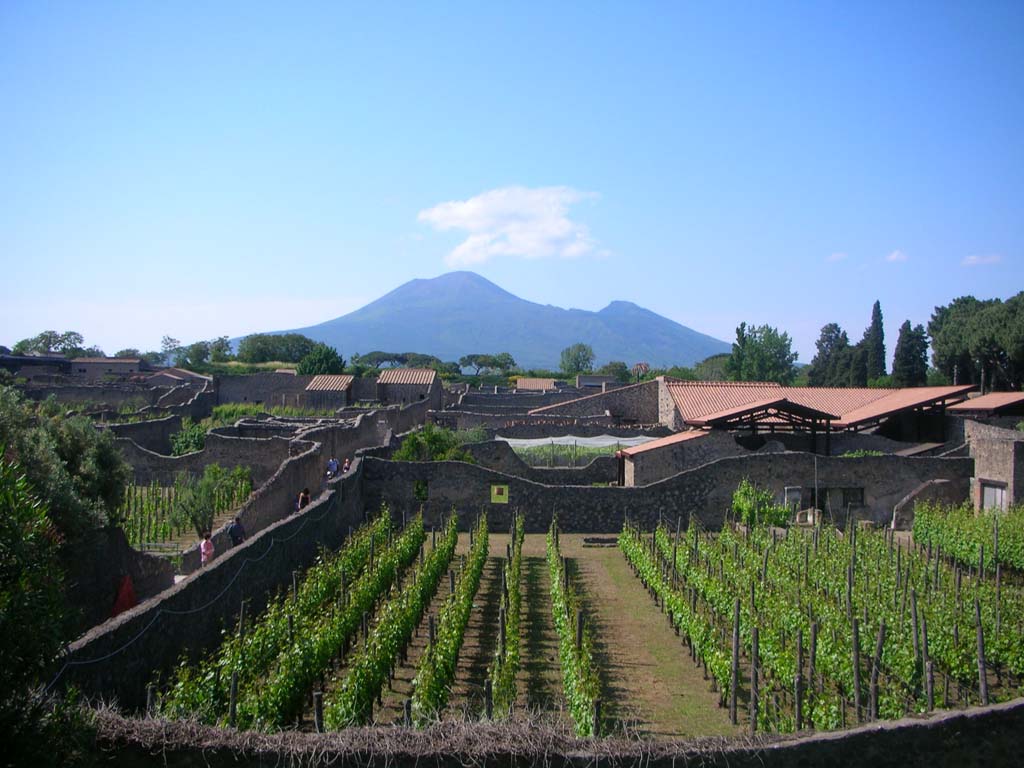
650,684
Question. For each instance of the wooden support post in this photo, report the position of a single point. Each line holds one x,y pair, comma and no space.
753,680
489,698
856,668
916,636
451,582
929,684
876,668
431,629
596,725
318,711
407,713
735,660
579,629
233,699
982,677
798,681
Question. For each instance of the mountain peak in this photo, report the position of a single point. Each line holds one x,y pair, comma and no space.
460,313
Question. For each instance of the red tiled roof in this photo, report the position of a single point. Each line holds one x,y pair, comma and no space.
535,384
993,401
407,376
698,400
329,383
679,437
778,403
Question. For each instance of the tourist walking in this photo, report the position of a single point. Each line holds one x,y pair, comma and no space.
304,498
206,549
236,532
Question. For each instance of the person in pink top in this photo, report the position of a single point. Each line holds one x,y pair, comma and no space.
206,549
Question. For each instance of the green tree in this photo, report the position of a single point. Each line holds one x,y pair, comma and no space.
129,352
503,361
616,368
432,443
321,359
193,356
910,362
831,365
220,350
712,368
578,358
274,347
874,343
477,362
761,354
949,330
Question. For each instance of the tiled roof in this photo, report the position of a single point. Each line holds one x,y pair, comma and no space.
679,437
329,383
407,376
993,401
537,385
783,404
133,360
697,400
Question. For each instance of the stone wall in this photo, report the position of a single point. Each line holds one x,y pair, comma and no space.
463,420
705,491
637,403
947,492
152,436
267,388
529,431
998,459
979,736
118,658
498,455
263,456
658,463
114,395
527,400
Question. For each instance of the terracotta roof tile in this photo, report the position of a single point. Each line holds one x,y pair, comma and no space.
536,385
679,437
407,376
779,403
329,383
993,401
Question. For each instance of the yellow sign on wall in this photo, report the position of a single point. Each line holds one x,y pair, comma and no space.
499,494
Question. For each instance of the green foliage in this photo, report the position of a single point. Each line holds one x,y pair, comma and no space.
436,669
554,455
432,443
220,349
505,667
756,506
229,413
873,344
860,453
579,671
615,368
972,340
910,363
258,656
961,532
284,347
836,363
69,344
191,437
501,363
400,614
761,354
201,499
577,358
320,360
76,470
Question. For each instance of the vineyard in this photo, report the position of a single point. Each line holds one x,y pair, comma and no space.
753,628
154,516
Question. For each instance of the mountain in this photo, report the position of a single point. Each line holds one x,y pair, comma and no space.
461,313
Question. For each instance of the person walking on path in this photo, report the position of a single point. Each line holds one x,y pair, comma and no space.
304,498
206,549
236,532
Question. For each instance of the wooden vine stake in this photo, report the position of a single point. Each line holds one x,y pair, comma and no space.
753,680
982,679
856,668
875,668
735,660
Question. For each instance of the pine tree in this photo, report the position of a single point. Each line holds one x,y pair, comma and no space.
910,363
874,343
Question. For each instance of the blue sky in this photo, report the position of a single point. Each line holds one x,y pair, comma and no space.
199,169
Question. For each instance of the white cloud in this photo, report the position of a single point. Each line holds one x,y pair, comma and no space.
513,221
896,255
979,260
834,257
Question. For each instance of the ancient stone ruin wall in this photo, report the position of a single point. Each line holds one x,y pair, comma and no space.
263,456
498,455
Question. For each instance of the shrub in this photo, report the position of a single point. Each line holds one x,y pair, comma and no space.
756,506
432,443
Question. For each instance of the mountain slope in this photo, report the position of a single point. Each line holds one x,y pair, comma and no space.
461,313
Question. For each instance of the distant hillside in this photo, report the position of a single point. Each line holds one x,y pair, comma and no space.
461,313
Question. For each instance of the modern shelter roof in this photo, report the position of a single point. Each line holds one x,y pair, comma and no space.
407,376
993,401
664,442
771,406
536,385
329,383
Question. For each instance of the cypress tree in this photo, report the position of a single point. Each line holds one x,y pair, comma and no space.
874,343
910,363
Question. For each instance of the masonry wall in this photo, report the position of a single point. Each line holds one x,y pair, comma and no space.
263,456
659,463
638,403
705,492
153,435
267,388
518,400
188,617
498,455
998,458
114,395
536,430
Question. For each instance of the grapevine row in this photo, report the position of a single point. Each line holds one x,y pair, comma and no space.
506,655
